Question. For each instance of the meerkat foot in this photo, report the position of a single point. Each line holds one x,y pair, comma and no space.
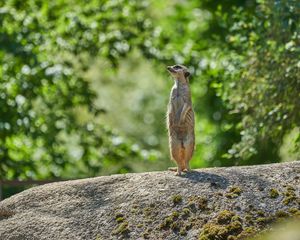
187,169
173,169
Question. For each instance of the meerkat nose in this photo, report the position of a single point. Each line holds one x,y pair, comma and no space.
169,68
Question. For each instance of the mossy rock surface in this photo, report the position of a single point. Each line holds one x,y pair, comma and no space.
218,203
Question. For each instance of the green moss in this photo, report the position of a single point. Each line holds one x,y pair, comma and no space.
294,211
288,200
248,217
262,221
175,226
140,225
281,214
186,212
260,213
98,237
290,195
173,222
192,206
170,221
202,203
213,231
183,232
231,195
231,237
233,192
226,225
148,211
152,205
133,210
290,188
166,223
188,226
197,202
273,193
120,219
119,215
235,227
236,190
247,232
175,215
146,235
177,199
122,229
236,218
224,217
193,221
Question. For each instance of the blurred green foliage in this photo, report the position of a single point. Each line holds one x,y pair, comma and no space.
44,93
71,71
265,86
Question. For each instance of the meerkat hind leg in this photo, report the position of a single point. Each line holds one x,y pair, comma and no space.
188,156
178,173
186,166
187,169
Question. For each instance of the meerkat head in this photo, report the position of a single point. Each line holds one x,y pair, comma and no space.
179,72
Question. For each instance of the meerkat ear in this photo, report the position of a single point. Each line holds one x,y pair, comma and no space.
186,74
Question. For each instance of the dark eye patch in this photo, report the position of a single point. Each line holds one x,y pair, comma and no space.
177,67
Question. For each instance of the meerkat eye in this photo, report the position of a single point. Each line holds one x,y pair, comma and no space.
177,67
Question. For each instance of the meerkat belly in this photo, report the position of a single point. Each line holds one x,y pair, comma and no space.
179,124
179,133
178,107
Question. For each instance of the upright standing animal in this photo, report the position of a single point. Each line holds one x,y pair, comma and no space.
180,119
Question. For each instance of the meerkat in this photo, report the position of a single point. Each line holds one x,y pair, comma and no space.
180,119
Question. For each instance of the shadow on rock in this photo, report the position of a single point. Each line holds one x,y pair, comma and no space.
215,180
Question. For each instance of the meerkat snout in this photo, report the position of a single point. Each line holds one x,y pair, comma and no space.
170,69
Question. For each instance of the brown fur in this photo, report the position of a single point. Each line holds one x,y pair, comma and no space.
180,119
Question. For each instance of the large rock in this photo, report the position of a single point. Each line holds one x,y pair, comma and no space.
204,204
